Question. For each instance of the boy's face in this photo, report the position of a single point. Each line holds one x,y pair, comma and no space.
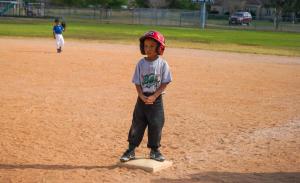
150,48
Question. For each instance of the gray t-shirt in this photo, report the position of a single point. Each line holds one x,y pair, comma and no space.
150,74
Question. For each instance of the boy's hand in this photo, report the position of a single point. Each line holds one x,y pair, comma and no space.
147,100
144,98
151,99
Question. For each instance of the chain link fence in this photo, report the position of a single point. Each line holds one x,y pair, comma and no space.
159,17
166,17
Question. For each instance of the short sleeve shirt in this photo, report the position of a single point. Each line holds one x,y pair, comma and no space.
58,29
151,74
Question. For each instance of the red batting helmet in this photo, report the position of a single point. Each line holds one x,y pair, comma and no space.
158,37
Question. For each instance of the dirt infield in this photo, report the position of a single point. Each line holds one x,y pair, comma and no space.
64,118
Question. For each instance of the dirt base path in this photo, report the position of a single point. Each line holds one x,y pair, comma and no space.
64,118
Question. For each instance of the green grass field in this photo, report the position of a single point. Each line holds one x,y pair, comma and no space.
262,42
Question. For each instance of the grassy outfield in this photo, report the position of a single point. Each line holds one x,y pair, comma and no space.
276,43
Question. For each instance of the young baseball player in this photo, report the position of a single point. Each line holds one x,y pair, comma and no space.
57,34
151,77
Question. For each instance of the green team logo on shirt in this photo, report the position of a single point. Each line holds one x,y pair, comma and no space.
150,80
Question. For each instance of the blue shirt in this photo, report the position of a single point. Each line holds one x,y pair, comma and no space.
58,29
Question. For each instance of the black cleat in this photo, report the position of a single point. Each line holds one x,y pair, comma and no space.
156,155
128,155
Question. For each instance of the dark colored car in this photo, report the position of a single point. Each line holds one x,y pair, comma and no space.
240,18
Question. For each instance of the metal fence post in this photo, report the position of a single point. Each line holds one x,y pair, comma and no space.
203,14
180,20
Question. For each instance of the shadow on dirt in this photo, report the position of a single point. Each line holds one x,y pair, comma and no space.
54,167
224,177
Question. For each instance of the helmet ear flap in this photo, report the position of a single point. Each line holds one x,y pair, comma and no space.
142,47
161,50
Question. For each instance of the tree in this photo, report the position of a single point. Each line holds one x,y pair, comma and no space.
116,3
183,4
84,3
293,7
234,5
175,4
69,3
158,3
107,3
278,6
282,6
141,3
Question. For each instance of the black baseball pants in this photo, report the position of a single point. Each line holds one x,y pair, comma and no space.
151,116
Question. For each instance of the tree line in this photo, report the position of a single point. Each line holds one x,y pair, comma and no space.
171,4
280,5
283,7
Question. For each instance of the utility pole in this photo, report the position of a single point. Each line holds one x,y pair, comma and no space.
203,4
203,13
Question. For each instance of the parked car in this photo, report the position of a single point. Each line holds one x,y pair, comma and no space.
240,18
